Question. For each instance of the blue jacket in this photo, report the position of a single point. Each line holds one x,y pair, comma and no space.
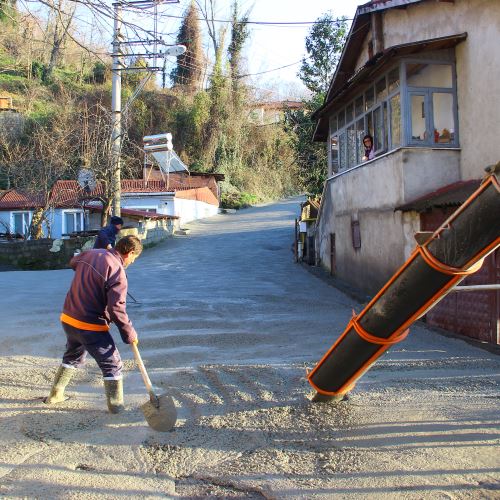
106,236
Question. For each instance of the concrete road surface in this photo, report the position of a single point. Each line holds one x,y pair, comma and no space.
228,325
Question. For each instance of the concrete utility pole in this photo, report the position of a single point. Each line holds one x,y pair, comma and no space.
116,88
116,111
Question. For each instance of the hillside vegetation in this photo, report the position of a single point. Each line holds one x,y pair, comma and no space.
64,103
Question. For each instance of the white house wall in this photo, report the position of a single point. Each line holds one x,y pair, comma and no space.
6,217
477,63
162,204
189,210
186,210
369,195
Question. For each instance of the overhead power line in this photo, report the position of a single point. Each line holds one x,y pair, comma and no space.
270,70
265,23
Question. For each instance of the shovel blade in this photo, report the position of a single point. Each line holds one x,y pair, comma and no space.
162,416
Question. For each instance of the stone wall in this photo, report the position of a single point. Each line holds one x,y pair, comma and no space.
152,231
56,254
41,254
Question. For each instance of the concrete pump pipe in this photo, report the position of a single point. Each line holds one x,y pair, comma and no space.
453,251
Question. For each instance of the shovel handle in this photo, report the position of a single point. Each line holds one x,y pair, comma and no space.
142,368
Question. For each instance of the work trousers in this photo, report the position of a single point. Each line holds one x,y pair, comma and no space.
100,345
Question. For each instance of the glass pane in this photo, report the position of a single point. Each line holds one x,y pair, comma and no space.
393,79
341,119
386,124
349,113
333,124
26,222
418,132
378,137
360,133
342,155
369,98
369,124
79,222
380,89
334,148
70,224
358,106
351,146
444,129
18,224
396,121
428,75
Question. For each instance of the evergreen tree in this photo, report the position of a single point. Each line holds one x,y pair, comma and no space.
239,35
189,69
323,45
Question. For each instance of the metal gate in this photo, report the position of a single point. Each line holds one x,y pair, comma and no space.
473,314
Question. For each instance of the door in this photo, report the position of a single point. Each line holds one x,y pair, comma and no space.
333,261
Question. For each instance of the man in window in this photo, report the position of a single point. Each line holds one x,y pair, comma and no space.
368,145
106,237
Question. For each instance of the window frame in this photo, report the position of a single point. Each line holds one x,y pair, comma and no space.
405,92
64,228
29,213
428,104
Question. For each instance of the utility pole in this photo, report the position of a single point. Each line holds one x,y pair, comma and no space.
116,111
116,87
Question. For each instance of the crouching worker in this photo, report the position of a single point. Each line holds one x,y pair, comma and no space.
97,297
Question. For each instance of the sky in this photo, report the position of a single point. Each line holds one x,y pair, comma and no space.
271,47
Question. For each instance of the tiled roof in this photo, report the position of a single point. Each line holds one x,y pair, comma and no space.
66,193
69,194
199,194
452,195
13,199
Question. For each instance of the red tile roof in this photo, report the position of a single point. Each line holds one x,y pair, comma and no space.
69,194
13,199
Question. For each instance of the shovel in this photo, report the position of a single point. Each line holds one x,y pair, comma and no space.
159,411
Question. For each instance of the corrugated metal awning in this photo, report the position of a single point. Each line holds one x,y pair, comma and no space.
452,195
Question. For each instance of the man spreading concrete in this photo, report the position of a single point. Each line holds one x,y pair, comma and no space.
107,235
97,297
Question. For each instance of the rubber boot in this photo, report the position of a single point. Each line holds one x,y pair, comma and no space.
114,395
61,380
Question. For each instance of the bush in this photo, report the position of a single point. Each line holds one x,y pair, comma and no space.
238,200
38,70
100,73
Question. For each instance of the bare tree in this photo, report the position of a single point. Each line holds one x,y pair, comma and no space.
35,164
207,9
63,16
96,156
